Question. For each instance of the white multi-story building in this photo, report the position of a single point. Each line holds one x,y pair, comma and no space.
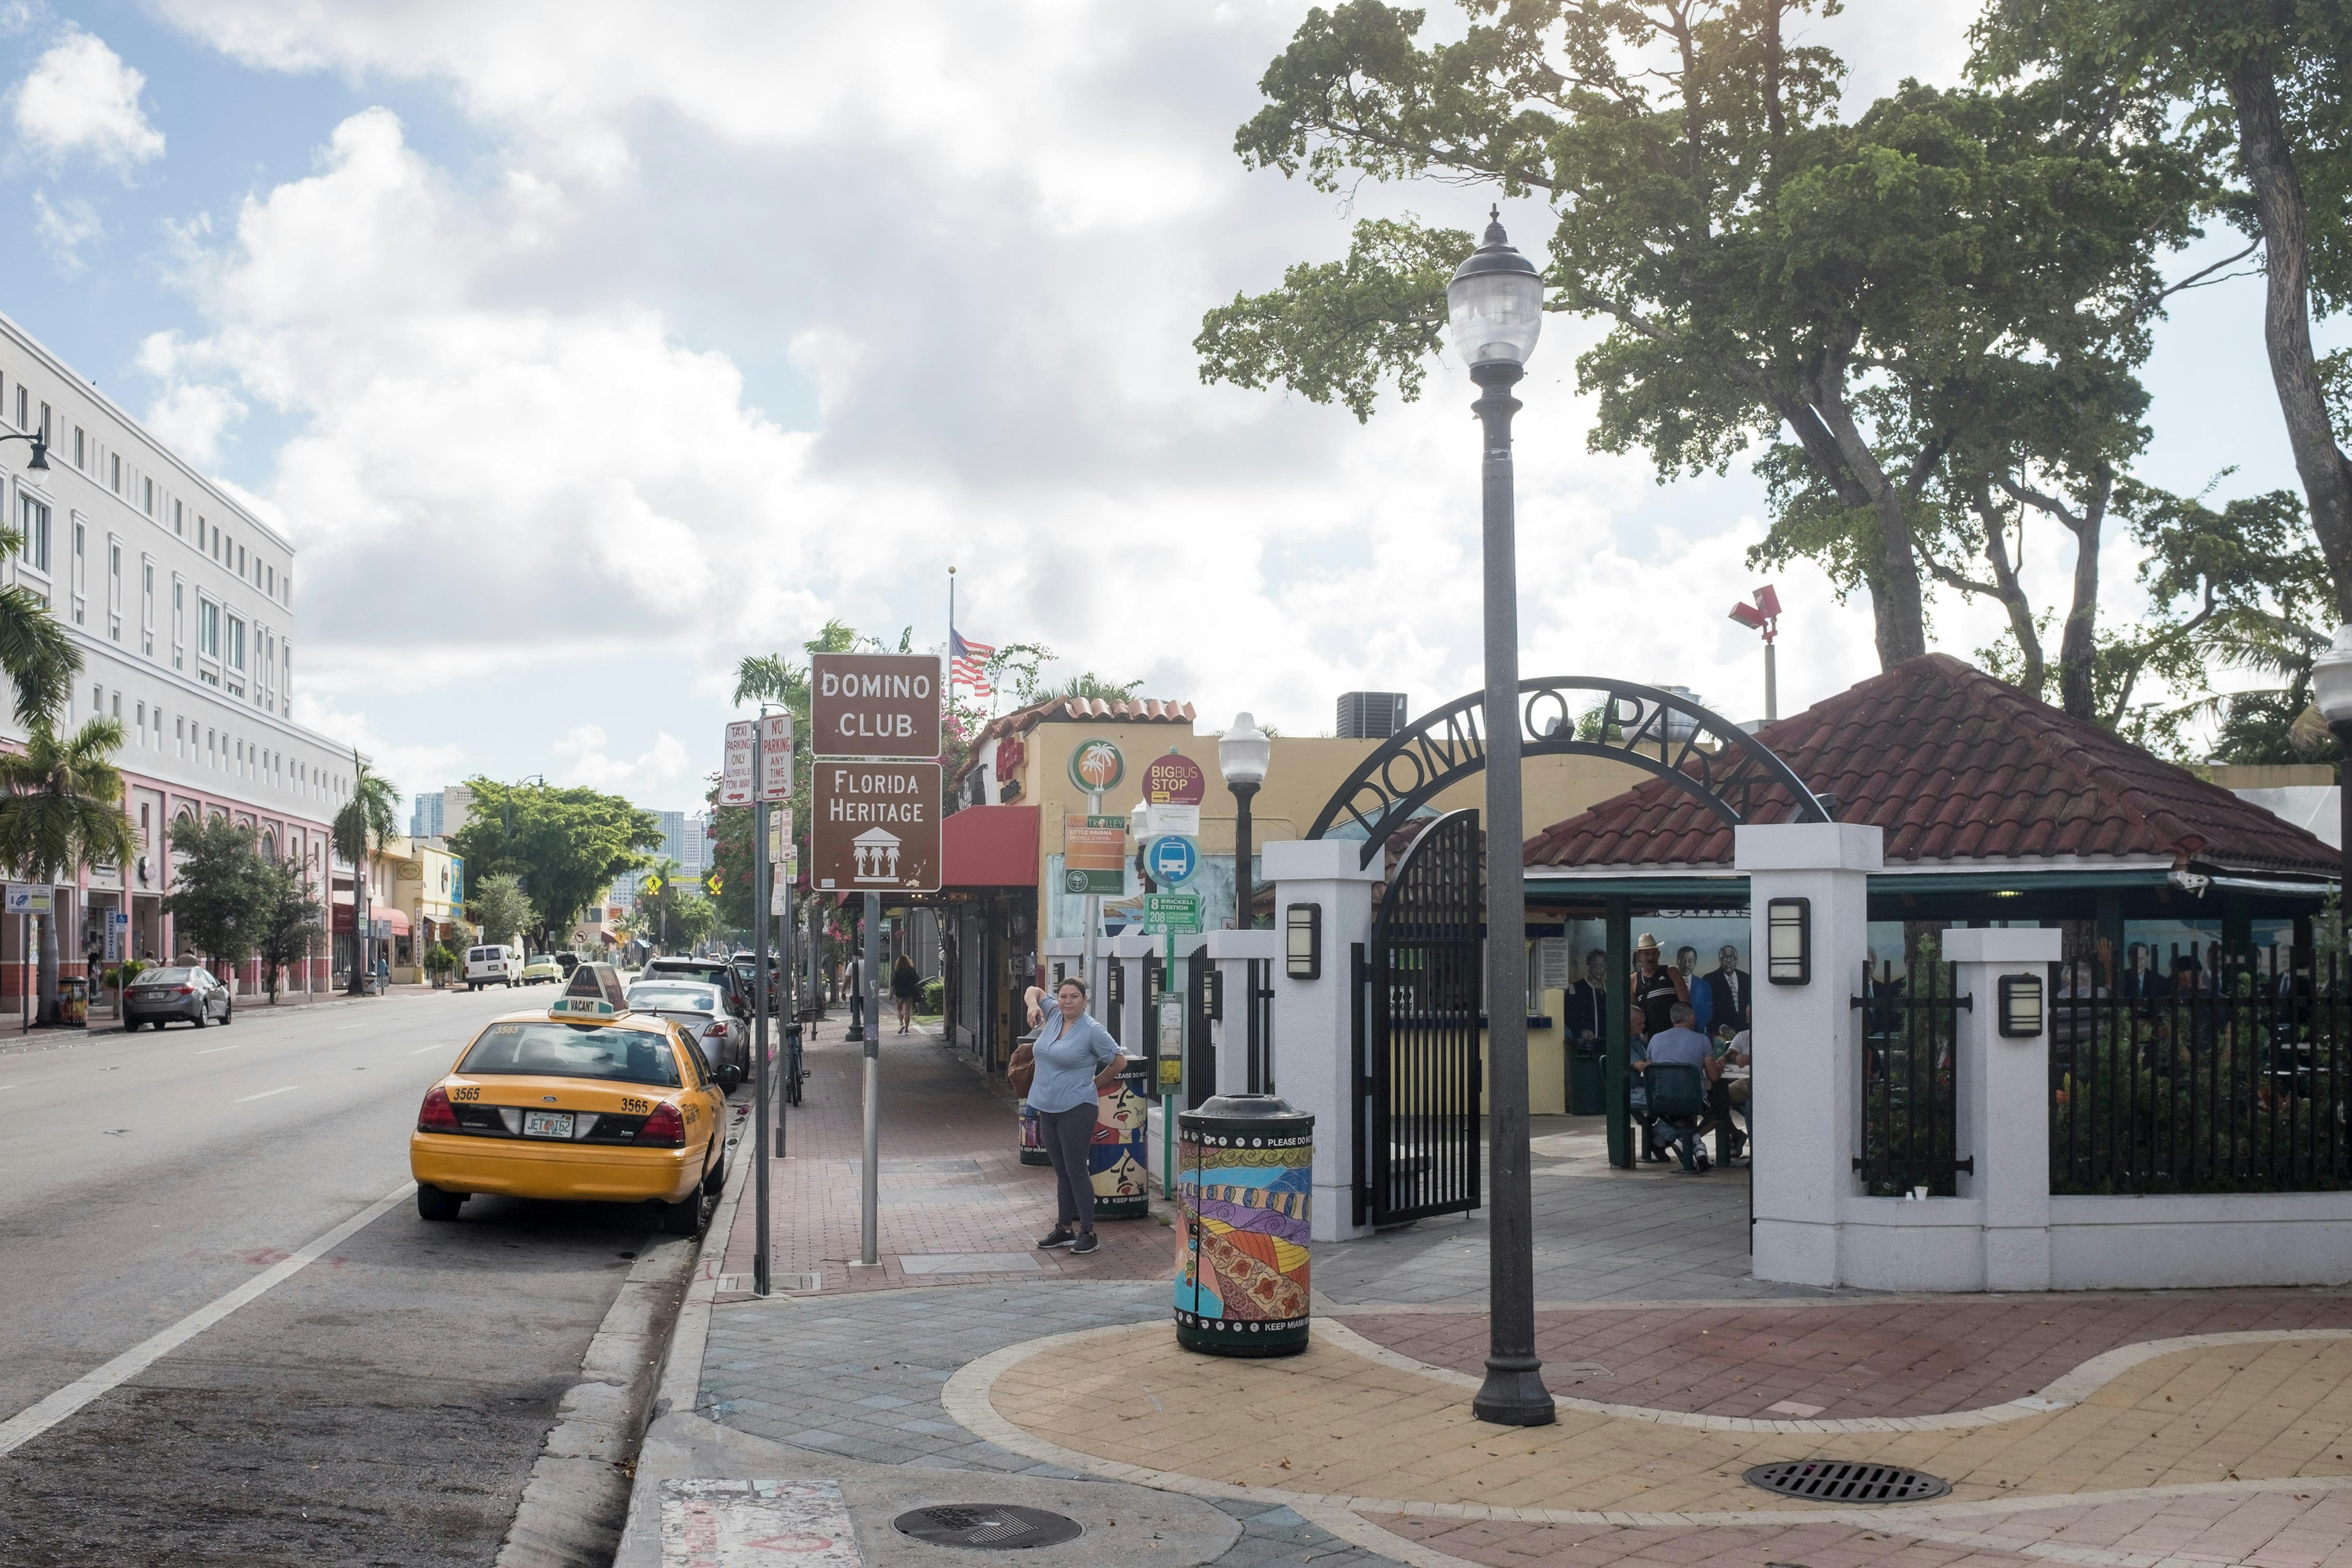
181,602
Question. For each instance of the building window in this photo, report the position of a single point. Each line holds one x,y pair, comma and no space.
178,517
82,442
33,522
45,425
208,620
80,581
114,478
114,590
147,487
179,737
236,643
24,408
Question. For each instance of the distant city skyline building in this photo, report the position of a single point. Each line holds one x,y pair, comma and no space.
424,822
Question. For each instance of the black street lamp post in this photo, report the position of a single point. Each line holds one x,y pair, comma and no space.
1243,752
1496,305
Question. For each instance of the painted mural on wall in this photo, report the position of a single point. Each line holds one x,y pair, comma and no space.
1243,1190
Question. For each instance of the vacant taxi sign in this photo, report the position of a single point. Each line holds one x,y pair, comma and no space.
876,829
594,991
873,705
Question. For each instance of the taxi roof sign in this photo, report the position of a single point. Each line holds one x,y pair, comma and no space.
594,991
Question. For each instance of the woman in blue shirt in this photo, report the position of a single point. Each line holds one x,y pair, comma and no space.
1077,1061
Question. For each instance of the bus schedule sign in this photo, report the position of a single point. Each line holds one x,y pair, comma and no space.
876,827
873,705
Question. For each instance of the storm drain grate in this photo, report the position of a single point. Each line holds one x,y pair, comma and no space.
1847,1481
986,1527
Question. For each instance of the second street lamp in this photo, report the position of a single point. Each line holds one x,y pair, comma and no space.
1243,752
2331,691
1495,305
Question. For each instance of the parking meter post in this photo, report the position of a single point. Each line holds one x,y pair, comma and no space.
760,1074
869,1184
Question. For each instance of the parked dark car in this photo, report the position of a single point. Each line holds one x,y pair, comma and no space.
192,995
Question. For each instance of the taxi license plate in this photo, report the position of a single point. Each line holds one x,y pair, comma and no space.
547,1124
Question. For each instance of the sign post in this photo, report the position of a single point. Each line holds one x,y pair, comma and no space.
876,809
772,782
1173,913
761,1244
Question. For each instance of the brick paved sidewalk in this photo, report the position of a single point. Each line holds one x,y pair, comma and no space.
1908,1357
956,1204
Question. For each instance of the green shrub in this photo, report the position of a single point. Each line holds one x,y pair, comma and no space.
934,998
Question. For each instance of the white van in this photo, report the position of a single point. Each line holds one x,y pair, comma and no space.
499,966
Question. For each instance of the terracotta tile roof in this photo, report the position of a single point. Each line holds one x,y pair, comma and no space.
1958,766
1077,710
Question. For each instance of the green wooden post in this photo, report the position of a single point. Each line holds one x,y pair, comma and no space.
1617,1074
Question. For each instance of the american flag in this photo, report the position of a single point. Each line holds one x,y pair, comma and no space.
968,665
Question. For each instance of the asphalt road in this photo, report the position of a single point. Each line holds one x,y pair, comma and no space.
383,1404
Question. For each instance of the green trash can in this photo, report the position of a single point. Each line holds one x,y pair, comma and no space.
1587,1076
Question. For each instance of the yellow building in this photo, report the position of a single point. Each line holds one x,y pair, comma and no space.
429,887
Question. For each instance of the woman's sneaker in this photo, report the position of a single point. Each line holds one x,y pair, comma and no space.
1084,1244
1060,1237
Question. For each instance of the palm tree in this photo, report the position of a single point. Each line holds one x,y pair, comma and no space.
366,820
61,807
36,654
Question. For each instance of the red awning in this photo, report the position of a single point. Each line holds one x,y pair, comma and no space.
989,847
397,918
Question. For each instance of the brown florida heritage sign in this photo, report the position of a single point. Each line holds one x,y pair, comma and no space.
876,829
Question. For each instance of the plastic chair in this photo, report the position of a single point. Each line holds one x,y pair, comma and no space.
1676,1104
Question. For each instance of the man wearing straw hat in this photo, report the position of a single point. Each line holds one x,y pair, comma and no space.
1656,989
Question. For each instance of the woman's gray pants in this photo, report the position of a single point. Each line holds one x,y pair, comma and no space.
1069,1136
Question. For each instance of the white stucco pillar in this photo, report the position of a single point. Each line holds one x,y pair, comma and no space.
1129,951
1231,952
2003,1110
1314,1020
1807,1095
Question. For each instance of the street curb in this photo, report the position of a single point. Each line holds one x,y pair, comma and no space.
676,1372
577,1499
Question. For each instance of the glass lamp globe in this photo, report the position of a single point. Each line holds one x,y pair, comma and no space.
1496,302
2331,679
1244,751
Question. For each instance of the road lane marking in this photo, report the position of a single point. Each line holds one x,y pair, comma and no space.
34,1419
422,1049
216,1050
265,1094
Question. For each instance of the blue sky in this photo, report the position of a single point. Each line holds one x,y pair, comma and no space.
580,357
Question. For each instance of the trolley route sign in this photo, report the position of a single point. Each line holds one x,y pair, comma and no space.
873,705
876,829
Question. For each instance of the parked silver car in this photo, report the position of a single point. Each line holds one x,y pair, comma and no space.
193,996
700,1009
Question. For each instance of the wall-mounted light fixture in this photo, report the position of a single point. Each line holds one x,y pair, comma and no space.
2020,1006
1302,952
1789,942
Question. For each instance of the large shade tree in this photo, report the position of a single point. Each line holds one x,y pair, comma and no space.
565,845
61,808
1874,298
368,816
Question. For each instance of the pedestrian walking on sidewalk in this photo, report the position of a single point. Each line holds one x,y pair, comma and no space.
904,983
1077,1060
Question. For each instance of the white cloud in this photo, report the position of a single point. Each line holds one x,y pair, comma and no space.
717,339
80,98
586,749
410,768
63,227
190,418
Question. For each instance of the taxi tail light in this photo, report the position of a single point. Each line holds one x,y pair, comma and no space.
437,1115
665,1127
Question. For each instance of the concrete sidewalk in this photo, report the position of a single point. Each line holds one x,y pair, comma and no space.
2126,1431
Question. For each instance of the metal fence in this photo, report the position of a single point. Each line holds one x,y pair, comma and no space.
2225,1073
1909,1100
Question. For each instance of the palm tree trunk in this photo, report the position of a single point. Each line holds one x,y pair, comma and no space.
48,1014
363,960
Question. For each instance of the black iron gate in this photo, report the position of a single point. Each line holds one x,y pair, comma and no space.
1910,1086
1416,1033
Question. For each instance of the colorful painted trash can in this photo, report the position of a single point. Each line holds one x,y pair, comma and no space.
1121,1160
73,1001
1245,1177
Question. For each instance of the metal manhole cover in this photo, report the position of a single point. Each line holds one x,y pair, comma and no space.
987,1528
1847,1481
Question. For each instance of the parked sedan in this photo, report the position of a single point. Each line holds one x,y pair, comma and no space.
543,971
193,996
701,1010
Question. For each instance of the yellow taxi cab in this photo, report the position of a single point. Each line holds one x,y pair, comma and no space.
585,1100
